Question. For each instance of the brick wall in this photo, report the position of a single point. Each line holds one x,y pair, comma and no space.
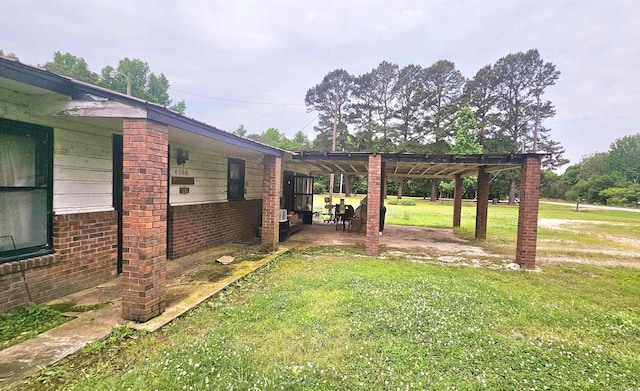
528,213
144,217
271,185
195,227
86,254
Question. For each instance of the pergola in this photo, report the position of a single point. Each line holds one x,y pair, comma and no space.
377,166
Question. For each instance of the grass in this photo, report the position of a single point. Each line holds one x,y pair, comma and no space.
25,323
326,319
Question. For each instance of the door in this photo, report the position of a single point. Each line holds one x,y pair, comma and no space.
287,191
117,191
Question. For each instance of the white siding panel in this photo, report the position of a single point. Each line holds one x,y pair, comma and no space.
82,171
254,170
209,170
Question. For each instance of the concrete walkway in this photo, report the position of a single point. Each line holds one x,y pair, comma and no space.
190,281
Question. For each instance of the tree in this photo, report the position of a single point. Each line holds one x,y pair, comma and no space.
480,94
240,131
624,153
9,55
361,115
408,91
144,84
464,133
329,98
69,65
384,79
629,195
521,81
443,85
597,164
590,189
278,139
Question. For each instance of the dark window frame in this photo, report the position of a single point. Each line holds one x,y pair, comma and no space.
235,186
43,180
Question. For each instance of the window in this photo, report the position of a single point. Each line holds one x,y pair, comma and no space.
25,189
235,179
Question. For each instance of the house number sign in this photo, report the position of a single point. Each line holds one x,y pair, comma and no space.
182,172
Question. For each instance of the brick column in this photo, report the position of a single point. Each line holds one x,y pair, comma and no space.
483,203
457,201
144,218
271,185
528,212
374,192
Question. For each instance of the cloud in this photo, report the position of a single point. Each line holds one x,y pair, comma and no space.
275,50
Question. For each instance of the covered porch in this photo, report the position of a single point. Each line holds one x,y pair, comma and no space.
378,166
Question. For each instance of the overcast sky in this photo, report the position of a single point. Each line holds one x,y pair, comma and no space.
274,51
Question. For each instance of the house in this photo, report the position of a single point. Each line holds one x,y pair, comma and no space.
94,183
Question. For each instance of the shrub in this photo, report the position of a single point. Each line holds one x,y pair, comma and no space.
401,202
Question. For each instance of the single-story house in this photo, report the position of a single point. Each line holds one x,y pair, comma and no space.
94,183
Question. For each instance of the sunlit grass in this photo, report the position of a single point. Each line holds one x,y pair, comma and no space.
322,320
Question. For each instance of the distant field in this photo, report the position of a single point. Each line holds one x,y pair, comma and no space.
609,237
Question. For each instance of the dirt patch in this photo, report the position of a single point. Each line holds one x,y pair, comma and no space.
432,241
395,240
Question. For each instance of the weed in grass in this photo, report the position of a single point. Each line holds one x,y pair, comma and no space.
69,306
401,202
26,323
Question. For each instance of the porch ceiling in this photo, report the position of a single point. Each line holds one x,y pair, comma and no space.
408,165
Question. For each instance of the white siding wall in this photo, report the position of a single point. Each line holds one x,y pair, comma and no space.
82,171
209,170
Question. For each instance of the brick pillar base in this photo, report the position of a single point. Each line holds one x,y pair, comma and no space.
457,201
528,213
482,204
271,184
374,191
145,169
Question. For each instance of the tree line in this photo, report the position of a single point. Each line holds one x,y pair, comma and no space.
133,74
417,109
607,178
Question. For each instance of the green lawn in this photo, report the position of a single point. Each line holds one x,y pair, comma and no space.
324,319
341,321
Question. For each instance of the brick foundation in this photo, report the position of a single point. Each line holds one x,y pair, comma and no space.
144,217
528,213
86,254
196,227
271,186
